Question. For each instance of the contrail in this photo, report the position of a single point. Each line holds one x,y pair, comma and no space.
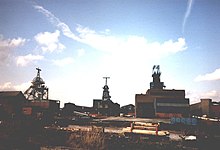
188,11
59,24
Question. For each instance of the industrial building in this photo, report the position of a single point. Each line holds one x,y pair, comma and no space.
206,107
160,102
11,103
70,108
106,106
38,104
128,110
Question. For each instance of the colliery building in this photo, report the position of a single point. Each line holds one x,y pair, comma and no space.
160,102
206,107
106,106
38,104
70,108
11,103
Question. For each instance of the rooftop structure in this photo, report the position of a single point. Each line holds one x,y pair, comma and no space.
156,84
106,95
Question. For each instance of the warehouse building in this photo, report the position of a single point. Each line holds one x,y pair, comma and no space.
160,102
11,103
206,107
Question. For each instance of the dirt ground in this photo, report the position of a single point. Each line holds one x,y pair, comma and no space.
104,134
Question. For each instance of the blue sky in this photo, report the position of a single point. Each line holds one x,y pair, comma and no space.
77,42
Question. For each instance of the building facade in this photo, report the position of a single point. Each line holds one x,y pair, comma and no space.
160,102
206,107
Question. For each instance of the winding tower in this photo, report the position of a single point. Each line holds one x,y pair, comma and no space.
106,95
37,91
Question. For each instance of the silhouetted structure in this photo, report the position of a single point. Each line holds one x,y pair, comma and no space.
128,109
39,105
159,102
69,109
105,106
206,107
156,84
11,103
37,91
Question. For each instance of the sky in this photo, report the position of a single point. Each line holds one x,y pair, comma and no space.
78,42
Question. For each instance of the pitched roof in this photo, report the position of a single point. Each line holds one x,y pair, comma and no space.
9,93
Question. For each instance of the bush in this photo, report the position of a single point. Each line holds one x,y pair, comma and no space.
87,140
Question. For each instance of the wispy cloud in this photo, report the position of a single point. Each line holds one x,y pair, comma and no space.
8,86
49,42
187,13
195,96
7,46
209,76
215,95
129,44
56,21
27,59
11,43
106,42
63,62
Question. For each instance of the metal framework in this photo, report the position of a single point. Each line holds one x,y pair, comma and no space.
37,91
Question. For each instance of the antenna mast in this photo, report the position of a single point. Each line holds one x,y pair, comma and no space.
106,78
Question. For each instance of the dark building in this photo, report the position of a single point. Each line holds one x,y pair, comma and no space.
11,104
128,109
160,102
206,107
44,107
68,109
71,109
105,106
